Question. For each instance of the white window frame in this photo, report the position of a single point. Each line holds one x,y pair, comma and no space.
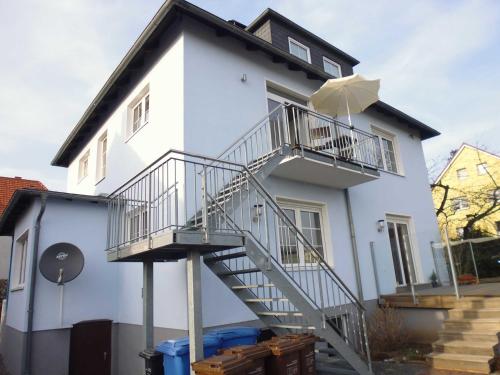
326,60
19,261
102,156
482,169
462,177
139,102
384,134
297,43
83,166
321,209
461,203
137,215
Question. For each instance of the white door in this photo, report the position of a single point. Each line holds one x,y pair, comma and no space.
402,250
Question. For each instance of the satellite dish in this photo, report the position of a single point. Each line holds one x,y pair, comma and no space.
61,262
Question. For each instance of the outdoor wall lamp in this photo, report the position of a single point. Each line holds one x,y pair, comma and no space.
257,211
381,225
244,78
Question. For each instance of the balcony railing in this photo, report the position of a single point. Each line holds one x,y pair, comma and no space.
301,128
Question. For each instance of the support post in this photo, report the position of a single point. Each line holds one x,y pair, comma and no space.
147,304
193,264
474,260
452,263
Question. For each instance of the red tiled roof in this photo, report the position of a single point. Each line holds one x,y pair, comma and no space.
8,185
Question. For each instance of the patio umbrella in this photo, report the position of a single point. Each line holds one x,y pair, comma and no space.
343,96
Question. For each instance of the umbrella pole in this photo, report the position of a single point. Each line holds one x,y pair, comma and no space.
353,152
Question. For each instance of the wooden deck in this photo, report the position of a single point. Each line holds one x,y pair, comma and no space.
441,297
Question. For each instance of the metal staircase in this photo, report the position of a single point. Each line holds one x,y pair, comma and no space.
219,204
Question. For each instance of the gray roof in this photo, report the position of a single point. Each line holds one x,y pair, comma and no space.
23,198
133,62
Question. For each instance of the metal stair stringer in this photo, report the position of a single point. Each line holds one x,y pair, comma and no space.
310,313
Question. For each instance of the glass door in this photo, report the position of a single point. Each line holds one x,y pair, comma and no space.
402,252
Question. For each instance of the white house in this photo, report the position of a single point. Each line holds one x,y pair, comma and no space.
325,220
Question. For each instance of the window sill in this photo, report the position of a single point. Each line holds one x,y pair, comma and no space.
137,131
17,288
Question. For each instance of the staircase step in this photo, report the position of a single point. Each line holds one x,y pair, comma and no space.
476,335
252,286
273,299
473,324
490,313
220,258
329,351
464,347
280,313
238,272
460,362
292,326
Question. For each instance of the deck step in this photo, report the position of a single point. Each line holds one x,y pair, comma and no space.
464,347
473,324
292,326
238,272
220,258
479,303
483,313
280,313
476,335
252,286
461,362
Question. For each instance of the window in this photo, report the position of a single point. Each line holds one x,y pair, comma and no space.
460,203
309,220
494,196
299,50
460,232
497,225
462,174
139,112
332,67
138,223
102,156
387,158
482,169
83,166
19,265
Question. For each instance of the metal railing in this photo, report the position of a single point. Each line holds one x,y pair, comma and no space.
185,191
303,129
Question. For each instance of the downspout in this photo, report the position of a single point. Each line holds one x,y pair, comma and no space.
354,246
34,264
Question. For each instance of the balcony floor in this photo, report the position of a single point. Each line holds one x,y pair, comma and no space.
325,170
172,245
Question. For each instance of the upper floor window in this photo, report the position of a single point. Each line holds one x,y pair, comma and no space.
497,224
460,203
331,67
494,196
482,169
102,151
299,50
138,112
387,157
462,174
83,166
19,261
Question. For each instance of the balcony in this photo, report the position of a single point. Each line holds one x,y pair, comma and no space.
309,147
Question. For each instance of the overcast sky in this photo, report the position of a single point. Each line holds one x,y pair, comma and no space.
438,61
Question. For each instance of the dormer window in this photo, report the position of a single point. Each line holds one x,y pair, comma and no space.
299,50
331,67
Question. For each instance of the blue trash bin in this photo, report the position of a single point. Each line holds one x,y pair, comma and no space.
176,354
235,336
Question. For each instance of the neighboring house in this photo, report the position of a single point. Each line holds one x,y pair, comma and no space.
318,197
8,185
467,193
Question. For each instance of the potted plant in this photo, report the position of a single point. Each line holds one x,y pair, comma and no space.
434,279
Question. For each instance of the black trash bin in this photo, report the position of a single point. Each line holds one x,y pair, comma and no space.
153,361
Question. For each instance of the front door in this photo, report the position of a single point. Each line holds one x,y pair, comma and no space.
90,348
402,251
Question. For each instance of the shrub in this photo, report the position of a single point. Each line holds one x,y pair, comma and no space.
386,332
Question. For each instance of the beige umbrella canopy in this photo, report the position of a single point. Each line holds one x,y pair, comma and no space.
343,96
